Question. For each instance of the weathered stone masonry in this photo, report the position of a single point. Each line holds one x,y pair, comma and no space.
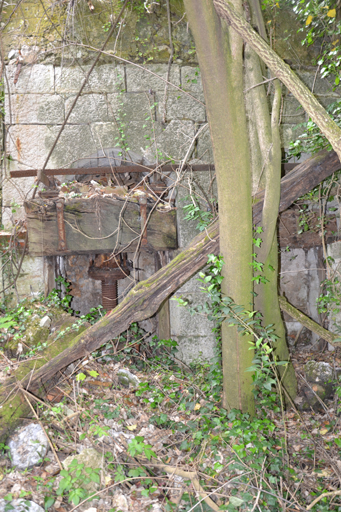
122,104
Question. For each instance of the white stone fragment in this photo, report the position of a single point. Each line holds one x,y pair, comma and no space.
28,446
20,505
45,322
125,377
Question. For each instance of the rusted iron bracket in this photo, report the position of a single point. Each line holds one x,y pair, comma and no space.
61,224
143,215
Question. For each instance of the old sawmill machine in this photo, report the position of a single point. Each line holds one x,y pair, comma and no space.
103,215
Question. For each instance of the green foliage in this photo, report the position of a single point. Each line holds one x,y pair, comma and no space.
312,140
14,320
252,440
330,299
195,212
60,296
3,448
257,266
137,446
127,340
321,26
74,479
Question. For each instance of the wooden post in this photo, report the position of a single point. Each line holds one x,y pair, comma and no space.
163,315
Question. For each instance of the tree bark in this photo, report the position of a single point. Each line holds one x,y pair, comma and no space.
143,300
282,71
220,55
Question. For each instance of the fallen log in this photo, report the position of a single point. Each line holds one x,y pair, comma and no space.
145,298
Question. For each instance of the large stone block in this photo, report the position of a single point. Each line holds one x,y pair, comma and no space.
315,274
105,135
132,107
104,78
314,82
38,78
34,109
134,115
90,108
141,138
191,79
181,106
193,285
26,144
300,280
193,183
141,80
184,323
326,101
334,252
292,112
76,141
195,348
289,133
293,278
31,278
174,141
14,193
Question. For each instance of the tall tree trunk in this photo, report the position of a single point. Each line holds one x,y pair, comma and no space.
268,175
220,55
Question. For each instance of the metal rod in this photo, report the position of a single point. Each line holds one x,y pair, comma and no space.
26,173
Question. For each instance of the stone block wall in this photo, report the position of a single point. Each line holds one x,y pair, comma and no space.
124,105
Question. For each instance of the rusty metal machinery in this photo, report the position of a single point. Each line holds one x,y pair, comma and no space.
109,270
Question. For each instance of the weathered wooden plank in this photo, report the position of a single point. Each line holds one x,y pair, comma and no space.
289,230
96,225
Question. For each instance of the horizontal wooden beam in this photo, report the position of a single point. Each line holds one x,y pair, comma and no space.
96,225
27,173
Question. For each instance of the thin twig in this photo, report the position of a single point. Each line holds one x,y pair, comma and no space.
169,61
316,500
42,426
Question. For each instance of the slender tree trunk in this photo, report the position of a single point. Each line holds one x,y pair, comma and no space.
279,68
220,55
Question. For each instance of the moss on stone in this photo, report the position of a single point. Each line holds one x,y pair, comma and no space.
144,37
